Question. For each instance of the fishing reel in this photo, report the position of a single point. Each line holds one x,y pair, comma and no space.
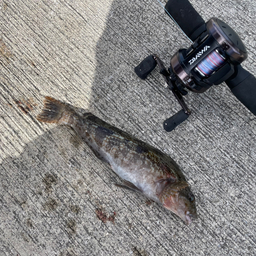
214,57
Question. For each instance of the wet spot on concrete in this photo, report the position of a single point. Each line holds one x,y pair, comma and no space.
5,6
40,193
21,202
138,252
50,205
88,192
49,180
25,237
42,155
25,105
32,63
103,216
75,209
29,223
80,182
74,163
5,52
71,227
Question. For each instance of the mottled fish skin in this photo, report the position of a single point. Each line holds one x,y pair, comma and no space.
153,173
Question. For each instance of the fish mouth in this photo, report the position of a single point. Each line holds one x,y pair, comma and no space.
189,217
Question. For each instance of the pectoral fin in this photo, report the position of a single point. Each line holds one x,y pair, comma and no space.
128,185
161,183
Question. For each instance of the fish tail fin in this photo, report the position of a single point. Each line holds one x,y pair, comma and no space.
55,111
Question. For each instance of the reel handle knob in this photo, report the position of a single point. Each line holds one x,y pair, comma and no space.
172,122
145,67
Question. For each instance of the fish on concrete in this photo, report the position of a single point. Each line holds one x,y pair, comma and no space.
142,167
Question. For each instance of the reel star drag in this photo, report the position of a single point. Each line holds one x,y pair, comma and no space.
214,57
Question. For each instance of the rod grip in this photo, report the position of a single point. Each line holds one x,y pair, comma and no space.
243,86
186,17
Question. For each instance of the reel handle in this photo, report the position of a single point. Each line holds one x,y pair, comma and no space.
243,85
188,19
172,122
145,67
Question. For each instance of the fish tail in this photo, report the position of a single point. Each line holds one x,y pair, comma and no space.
55,111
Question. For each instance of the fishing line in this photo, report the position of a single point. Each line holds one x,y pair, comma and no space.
173,19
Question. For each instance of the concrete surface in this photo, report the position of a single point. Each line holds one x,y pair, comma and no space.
52,186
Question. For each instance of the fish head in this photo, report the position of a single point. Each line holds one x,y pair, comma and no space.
179,199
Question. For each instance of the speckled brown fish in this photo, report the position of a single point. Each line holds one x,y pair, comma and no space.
142,167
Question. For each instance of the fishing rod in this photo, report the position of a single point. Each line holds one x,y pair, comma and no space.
177,24
215,56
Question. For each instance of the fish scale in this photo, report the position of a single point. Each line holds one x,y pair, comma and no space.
141,166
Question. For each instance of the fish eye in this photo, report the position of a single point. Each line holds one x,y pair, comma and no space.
191,197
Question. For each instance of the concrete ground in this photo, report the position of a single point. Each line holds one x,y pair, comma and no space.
52,187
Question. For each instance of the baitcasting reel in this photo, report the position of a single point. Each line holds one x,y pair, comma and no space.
214,57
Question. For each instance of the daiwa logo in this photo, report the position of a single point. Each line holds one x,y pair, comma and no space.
199,54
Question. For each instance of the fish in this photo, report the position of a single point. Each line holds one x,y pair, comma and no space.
142,167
